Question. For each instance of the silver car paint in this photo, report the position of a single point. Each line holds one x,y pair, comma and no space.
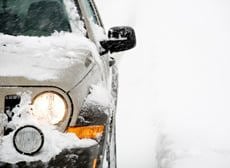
73,85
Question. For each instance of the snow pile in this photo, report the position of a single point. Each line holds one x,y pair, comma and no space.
4,120
42,58
98,33
54,142
99,95
98,102
74,18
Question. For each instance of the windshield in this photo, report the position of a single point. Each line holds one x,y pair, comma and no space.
33,17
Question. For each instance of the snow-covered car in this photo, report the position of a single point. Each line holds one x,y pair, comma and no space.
58,84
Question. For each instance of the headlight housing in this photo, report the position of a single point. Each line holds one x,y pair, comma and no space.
50,106
28,140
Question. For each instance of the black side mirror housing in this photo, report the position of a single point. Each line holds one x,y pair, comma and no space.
119,39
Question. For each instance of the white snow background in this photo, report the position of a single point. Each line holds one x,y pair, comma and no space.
174,96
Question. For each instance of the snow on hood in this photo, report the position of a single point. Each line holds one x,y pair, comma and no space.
46,58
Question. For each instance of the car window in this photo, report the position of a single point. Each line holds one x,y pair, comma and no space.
33,17
90,11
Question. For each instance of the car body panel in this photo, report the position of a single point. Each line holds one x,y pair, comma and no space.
46,61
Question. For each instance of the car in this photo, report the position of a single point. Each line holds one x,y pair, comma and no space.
58,84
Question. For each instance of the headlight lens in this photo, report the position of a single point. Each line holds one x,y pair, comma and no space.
28,140
50,106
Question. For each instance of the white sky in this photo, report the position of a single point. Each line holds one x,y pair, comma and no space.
174,86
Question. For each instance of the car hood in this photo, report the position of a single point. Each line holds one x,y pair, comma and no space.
61,60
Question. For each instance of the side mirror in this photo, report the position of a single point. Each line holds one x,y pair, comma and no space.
120,39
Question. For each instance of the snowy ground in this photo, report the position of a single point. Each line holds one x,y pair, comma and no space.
174,86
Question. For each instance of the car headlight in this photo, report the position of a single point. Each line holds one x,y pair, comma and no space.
28,140
50,106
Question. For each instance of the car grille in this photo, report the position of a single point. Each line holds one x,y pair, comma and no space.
10,102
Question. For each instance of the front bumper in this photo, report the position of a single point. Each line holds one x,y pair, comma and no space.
68,158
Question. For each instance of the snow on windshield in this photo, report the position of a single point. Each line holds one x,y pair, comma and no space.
39,18
33,18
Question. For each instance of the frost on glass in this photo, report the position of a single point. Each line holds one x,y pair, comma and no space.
33,17
28,140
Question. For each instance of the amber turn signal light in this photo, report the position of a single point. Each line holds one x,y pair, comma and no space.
92,131
94,163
